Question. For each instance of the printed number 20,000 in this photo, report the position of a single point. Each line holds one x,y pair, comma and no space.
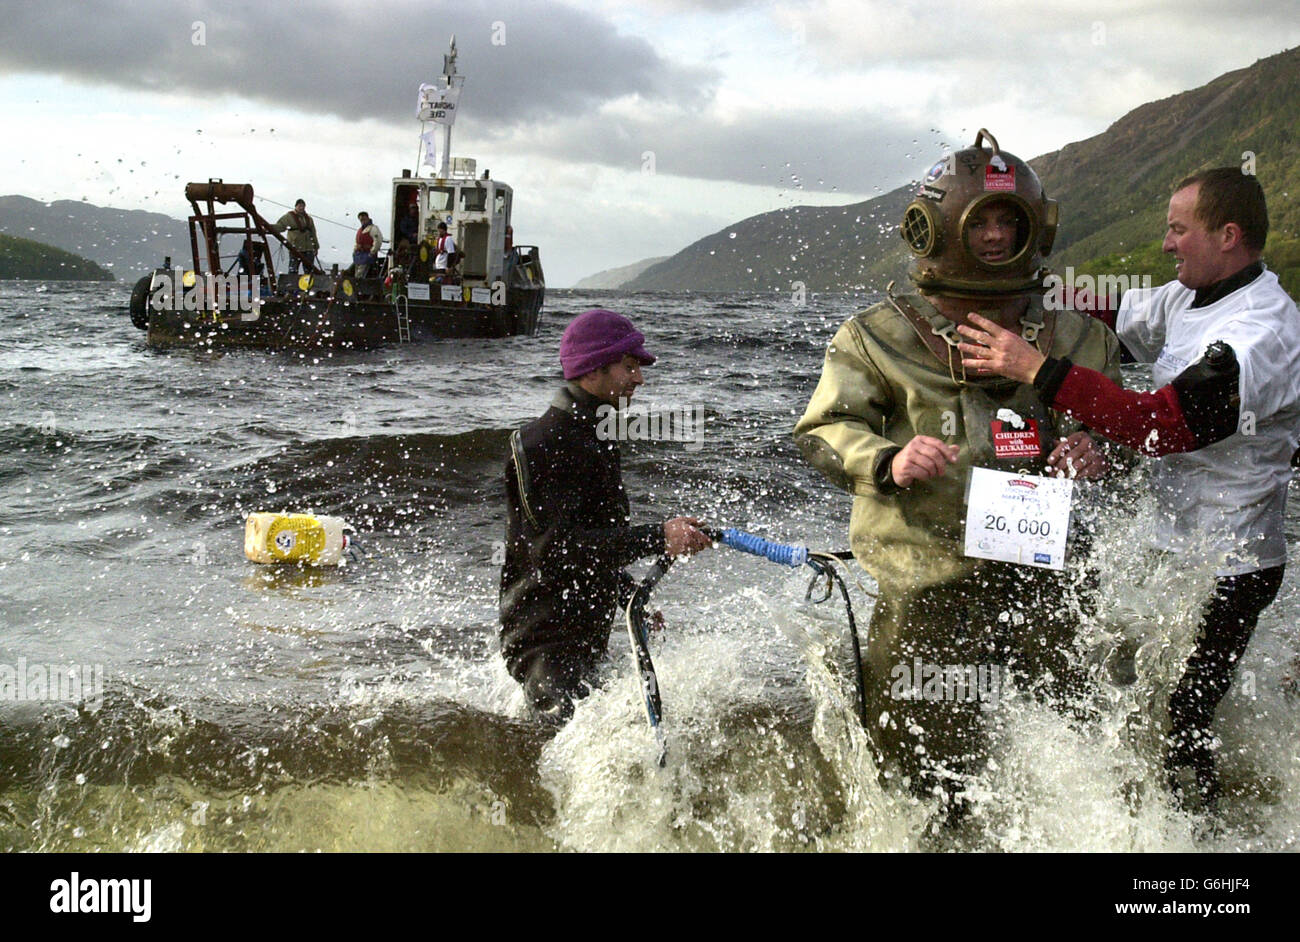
1030,527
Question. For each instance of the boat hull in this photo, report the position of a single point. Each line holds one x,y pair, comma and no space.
290,321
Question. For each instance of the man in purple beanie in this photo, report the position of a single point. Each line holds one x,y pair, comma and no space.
568,532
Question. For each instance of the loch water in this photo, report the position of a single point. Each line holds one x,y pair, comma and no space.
226,706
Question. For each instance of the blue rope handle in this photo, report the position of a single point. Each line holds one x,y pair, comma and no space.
793,556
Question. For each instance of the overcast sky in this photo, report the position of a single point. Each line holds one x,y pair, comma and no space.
628,129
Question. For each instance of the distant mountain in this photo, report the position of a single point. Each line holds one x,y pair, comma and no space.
612,278
128,242
825,247
1113,189
23,258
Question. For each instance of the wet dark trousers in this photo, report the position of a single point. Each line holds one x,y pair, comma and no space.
553,676
1229,621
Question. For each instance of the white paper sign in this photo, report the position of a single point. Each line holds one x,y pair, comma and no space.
480,295
1018,518
452,293
417,292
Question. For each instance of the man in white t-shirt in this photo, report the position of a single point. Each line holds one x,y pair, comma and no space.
1223,424
444,264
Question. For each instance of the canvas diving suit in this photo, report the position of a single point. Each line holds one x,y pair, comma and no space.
887,378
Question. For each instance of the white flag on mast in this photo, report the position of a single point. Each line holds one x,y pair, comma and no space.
430,147
438,104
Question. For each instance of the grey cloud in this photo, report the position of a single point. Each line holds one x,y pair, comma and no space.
706,6
1172,38
852,154
351,60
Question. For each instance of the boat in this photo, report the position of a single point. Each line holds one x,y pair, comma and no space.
230,295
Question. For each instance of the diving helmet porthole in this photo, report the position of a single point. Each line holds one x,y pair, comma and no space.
980,224
921,229
997,231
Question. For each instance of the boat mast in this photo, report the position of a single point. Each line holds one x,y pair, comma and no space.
438,104
450,80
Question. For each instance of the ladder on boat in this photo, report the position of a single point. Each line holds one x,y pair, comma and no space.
400,305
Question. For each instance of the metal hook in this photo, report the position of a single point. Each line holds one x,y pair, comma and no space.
948,333
982,135
821,571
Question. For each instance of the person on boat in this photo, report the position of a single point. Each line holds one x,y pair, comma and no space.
1222,428
301,229
248,264
899,423
251,268
408,231
568,529
444,264
365,250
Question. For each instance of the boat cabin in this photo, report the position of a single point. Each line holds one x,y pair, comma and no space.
476,210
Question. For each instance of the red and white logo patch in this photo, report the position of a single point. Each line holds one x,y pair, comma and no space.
1002,181
1016,441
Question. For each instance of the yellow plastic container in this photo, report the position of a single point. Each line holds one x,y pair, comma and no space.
315,540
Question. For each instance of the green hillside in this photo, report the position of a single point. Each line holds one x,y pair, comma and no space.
1114,188
1281,255
23,258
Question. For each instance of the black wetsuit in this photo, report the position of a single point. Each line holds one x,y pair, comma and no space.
567,540
1229,620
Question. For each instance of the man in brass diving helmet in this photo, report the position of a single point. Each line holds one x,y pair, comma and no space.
898,423
942,227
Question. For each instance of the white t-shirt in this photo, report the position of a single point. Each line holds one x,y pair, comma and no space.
446,245
1231,493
